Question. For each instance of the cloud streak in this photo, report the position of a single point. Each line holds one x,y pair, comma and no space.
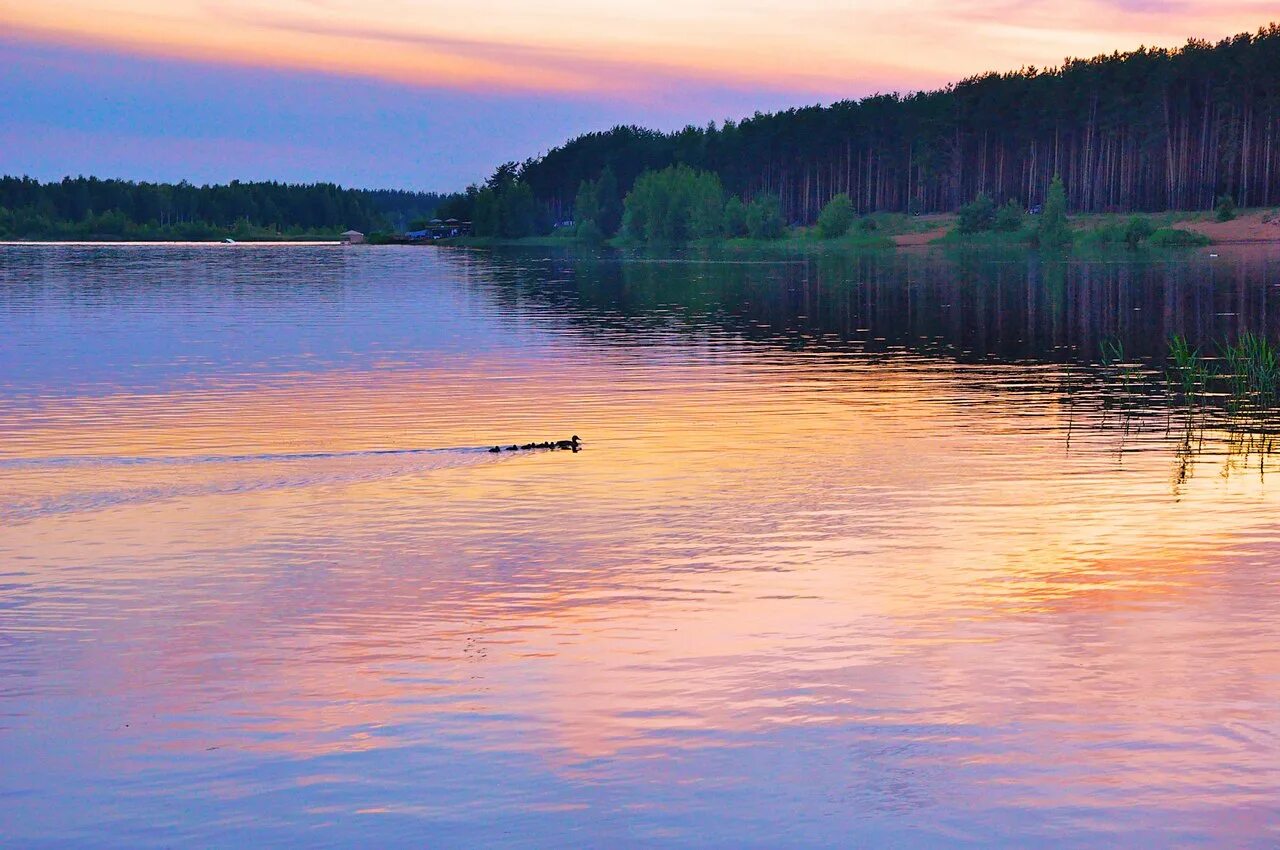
92,111
630,48
399,92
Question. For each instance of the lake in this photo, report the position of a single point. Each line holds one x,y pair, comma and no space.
903,550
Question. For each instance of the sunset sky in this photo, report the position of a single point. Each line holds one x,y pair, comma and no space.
424,95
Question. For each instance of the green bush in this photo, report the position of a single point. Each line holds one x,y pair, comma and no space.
1172,237
1132,233
735,217
1226,209
706,208
836,217
764,218
590,232
674,205
1008,219
978,216
1138,230
1105,234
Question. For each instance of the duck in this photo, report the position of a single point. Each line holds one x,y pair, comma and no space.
573,444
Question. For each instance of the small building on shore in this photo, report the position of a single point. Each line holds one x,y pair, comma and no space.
438,229
452,227
352,237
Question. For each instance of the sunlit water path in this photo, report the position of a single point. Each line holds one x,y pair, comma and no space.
858,552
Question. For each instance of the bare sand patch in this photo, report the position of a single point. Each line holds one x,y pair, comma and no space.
1249,228
924,237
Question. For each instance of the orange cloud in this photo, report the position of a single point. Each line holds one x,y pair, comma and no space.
631,47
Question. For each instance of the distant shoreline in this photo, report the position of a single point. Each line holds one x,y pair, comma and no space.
170,242
1250,227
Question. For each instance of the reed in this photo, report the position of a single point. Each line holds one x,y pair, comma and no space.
1233,396
1112,351
1253,369
1189,371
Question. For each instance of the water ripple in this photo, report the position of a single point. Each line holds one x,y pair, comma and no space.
870,549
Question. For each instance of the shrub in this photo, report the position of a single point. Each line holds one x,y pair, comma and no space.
1132,233
978,216
1106,233
1226,209
764,218
836,217
1008,219
735,217
590,232
674,205
1138,230
1172,237
706,208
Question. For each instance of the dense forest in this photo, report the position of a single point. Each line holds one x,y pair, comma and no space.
87,206
1153,129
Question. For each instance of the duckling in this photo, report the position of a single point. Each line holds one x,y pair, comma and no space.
574,444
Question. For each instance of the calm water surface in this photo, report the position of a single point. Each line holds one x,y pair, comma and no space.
858,552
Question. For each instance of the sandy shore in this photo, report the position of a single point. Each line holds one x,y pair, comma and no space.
915,240
1254,227
1249,229
934,226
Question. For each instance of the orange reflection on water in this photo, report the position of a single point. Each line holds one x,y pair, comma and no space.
744,543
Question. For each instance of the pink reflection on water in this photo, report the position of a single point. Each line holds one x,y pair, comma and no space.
890,589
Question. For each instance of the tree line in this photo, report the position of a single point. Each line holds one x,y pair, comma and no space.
1151,129
88,206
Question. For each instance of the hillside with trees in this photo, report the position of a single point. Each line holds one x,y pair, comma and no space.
90,207
1148,130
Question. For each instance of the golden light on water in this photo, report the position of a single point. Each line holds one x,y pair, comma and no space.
930,591
860,512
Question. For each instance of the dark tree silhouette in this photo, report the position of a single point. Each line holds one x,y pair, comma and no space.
1147,130
89,205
